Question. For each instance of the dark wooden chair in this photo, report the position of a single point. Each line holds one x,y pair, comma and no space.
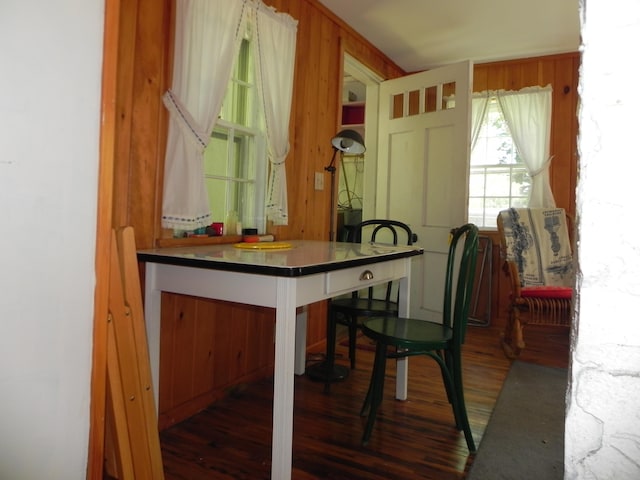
404,337
536,248
350,310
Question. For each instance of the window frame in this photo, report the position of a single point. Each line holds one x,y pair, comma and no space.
485,218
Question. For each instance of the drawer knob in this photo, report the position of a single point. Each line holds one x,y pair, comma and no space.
366,275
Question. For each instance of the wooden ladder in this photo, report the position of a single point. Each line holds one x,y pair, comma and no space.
132,443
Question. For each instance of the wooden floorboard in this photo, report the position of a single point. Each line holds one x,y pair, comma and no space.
416,438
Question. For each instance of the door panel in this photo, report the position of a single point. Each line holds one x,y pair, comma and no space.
423,168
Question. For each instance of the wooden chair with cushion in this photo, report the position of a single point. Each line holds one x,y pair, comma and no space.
404,337
536,248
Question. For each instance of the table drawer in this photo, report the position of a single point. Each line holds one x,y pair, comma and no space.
355,278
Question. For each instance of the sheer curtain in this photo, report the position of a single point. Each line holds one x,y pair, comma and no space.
207,41
208,37
276,47
528,114
479,102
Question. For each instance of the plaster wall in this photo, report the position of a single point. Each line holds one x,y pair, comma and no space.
603,416
50,76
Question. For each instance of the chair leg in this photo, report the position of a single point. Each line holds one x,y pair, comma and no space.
512,332
353,334
331,349
462,418
446,378
445,361
366,405
518,331
375,392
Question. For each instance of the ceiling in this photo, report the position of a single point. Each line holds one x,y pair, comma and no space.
423,34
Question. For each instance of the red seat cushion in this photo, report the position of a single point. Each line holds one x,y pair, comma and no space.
547,292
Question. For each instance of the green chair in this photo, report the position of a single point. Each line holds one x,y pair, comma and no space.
404,337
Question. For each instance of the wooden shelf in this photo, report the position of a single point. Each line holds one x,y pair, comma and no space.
192,241
353,113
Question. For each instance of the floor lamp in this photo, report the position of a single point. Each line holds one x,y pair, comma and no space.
351,142
346,141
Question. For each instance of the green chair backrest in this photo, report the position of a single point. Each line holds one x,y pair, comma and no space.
456,307
384,231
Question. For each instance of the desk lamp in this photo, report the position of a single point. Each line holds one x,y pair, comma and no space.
350,142
346,141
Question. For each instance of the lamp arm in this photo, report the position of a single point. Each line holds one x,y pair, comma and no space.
332,167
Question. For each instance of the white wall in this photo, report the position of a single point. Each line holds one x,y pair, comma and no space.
603,418
50,75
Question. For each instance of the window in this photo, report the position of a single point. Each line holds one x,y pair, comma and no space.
203,105
235,165
498,178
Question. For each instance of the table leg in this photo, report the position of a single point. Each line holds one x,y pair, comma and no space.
283,383
402,364
152,303
301,341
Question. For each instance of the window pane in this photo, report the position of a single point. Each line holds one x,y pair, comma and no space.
492,207
519,202
498,183
414,102
521,183
397,106
230,173
476,182
217,193
476,211
448,95
216,154
430,99
239,103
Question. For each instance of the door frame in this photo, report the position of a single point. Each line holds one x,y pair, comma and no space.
371,80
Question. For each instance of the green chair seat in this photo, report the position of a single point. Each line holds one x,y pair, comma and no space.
408,333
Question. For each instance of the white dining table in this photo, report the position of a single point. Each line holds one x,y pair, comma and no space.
285,276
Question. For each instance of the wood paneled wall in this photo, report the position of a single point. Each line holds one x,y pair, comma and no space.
191,374
208,348
191,353
561,72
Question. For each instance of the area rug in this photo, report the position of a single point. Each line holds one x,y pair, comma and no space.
524,439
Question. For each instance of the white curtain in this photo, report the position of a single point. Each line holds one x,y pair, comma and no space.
479,103
528,114
276,47
207,41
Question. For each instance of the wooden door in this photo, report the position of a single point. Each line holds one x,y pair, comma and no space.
423,168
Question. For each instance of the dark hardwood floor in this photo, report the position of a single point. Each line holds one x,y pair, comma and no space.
413,439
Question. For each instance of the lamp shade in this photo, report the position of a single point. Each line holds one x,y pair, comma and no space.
349,141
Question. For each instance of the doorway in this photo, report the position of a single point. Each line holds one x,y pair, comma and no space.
357,173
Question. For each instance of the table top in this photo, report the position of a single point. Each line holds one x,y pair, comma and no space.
302,257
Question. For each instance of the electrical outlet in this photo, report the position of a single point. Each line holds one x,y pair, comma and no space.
319,181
